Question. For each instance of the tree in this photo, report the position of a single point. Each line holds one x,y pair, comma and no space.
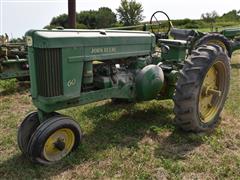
130,12
105,18
61,20
88,18
210,17
102,18
92,19
231,16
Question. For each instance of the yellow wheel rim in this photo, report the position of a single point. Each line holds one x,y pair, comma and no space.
212,92
217,42
59,144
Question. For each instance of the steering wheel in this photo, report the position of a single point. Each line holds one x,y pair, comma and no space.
160,20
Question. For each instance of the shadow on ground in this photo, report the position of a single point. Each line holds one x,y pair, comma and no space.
235,66
119,126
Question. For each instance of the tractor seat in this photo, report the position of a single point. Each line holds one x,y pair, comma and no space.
182,34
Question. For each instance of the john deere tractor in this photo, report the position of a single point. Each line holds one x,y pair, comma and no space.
75,67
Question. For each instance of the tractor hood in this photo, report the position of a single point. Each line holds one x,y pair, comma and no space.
84,38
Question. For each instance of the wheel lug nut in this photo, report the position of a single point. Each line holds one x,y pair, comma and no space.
59,144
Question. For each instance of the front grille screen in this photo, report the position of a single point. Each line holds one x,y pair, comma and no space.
49,74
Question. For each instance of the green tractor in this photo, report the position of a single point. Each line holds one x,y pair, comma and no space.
75,67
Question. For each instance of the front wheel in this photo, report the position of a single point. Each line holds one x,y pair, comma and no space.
202,89
26,129
54,139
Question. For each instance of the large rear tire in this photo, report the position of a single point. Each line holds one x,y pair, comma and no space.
202,89
215,39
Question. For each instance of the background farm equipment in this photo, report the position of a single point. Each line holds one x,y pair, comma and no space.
74,67
13,60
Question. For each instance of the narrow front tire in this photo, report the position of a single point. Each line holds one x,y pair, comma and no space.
54,139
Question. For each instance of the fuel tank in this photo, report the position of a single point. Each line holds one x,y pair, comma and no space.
149,82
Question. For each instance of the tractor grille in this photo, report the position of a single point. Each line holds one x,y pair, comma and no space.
49,74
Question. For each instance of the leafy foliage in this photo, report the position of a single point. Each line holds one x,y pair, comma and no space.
9,86
102,18
188,23
233,15
210,20
130,12
61,20
210,17
88,18
105,18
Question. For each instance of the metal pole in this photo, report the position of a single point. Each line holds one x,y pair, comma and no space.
72,14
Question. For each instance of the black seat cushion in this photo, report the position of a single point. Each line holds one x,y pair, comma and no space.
182,34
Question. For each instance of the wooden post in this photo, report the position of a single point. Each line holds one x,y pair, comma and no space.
72,14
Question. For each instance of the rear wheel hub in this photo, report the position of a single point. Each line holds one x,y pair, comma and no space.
210,97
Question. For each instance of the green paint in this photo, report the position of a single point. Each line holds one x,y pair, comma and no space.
176,49
231,33
93,65
149,82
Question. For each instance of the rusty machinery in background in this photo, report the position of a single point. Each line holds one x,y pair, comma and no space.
13,60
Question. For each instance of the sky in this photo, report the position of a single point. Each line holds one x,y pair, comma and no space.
18,16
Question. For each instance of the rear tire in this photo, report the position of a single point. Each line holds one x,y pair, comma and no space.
215,39
202,89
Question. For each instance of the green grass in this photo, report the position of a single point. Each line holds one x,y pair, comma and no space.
133,141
